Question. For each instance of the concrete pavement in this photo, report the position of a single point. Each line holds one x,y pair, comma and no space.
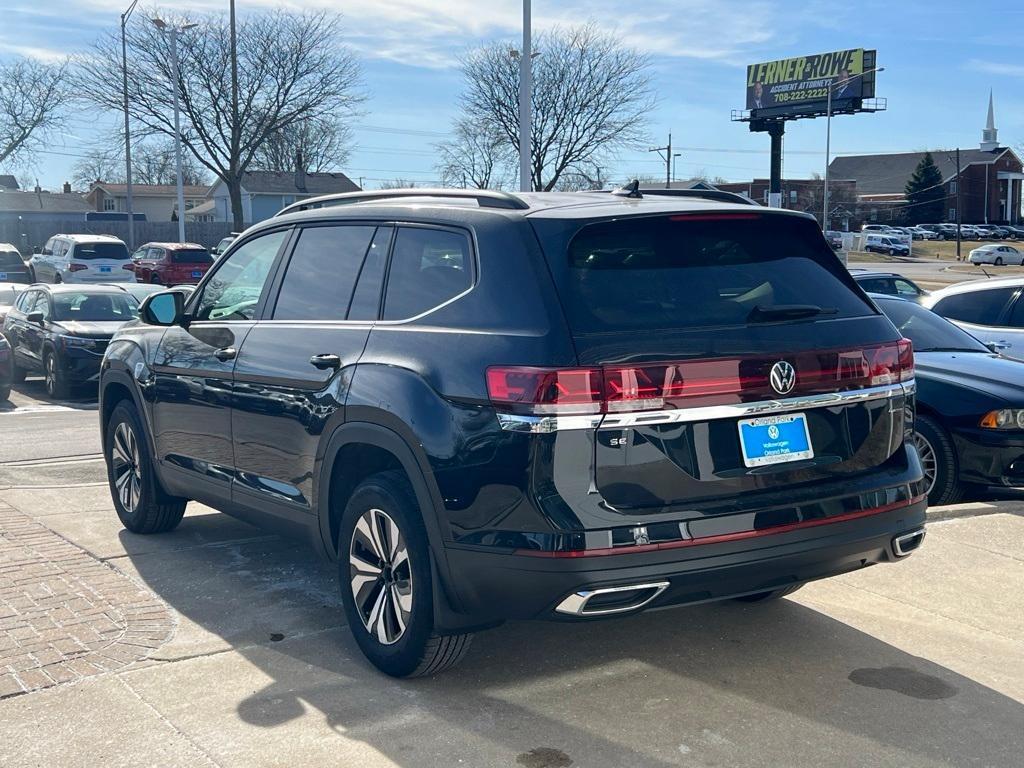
915,664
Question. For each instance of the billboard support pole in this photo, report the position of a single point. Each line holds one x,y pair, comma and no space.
828,152
776,129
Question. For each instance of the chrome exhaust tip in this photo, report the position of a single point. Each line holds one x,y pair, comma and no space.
610,600
906,543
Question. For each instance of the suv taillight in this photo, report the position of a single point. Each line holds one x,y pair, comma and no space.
728,380
77,267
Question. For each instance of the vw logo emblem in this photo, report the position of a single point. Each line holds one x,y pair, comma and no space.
782,377
773,432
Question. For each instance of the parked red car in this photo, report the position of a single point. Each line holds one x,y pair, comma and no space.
170,263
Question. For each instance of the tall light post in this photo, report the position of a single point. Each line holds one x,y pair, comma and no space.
525,94
828,136
172,32
127,131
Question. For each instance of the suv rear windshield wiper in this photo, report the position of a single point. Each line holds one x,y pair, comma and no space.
771,312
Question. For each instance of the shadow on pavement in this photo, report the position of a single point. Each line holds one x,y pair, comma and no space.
776,681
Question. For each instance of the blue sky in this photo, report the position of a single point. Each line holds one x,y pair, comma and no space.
940,58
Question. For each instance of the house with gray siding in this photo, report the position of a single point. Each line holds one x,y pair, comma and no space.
264,193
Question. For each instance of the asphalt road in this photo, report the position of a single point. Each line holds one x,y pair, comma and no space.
936,274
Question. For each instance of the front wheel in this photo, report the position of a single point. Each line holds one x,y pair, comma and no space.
999,261
140,502
57,385
384,570
938,459
892,251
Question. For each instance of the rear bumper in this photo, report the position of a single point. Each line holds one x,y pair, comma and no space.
497,586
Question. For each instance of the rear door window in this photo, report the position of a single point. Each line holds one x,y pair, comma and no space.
685,271
978,307
428,268
322,273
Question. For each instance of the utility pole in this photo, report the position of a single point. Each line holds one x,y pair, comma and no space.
173,32
959,218
127,131
525,95
667,157
236,136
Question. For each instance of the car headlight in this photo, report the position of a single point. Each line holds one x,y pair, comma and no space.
76,341
1005,418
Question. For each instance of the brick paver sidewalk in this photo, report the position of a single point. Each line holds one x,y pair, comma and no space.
65,615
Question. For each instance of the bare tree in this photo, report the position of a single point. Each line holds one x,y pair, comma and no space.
397,184
32,96
591,97
98,165
322,143
291,67
152,163
477,155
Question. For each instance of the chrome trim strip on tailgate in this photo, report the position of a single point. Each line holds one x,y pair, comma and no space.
544,424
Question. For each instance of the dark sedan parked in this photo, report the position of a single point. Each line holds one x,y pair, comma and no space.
970,405
889,283
13,268
62,331
6,371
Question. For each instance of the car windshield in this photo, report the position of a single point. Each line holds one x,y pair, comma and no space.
89,251
928,331
94,307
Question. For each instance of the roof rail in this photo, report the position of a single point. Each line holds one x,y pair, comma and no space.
485,198
708,194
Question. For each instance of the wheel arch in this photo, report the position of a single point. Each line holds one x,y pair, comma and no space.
378,448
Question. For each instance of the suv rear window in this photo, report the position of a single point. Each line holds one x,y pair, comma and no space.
685,271
191,256
89,251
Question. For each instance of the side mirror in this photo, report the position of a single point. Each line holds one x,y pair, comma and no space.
37,249
35,318
164,308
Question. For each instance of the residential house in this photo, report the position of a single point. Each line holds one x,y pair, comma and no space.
8,183
264,193
990,180
40,205
158,202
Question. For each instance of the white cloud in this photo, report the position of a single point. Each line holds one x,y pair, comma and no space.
996,68
48,55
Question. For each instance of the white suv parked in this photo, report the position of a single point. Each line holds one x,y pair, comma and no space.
83,259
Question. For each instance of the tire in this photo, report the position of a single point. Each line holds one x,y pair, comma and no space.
999,261
141,504
766,597
57,279
938,457
154,279
5,393
892,251
57,385
394,628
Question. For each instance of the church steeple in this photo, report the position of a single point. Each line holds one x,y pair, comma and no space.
989,136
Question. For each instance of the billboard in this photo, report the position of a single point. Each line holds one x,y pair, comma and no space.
799,86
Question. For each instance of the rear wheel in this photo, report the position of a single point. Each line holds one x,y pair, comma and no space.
154,279
57,278
892,251
385,573
140,502
765,597
938,459
57,385
999,261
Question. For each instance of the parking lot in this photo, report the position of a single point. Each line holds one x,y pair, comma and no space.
220,645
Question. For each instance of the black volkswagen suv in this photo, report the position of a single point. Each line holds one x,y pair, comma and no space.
562,406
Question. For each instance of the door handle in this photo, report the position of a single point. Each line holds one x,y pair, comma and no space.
225,354
325,362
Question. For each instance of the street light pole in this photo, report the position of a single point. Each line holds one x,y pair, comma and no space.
127,130
525,95
173,32
828,137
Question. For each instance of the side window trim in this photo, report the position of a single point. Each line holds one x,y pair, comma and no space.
272,276
384,277
474,264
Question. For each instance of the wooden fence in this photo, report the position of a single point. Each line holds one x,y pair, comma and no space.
29,234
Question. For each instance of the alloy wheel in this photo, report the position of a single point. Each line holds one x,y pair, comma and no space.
381,576
125,461
929,461
51,376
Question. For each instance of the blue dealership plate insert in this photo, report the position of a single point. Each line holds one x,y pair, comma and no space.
775,439
197,274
